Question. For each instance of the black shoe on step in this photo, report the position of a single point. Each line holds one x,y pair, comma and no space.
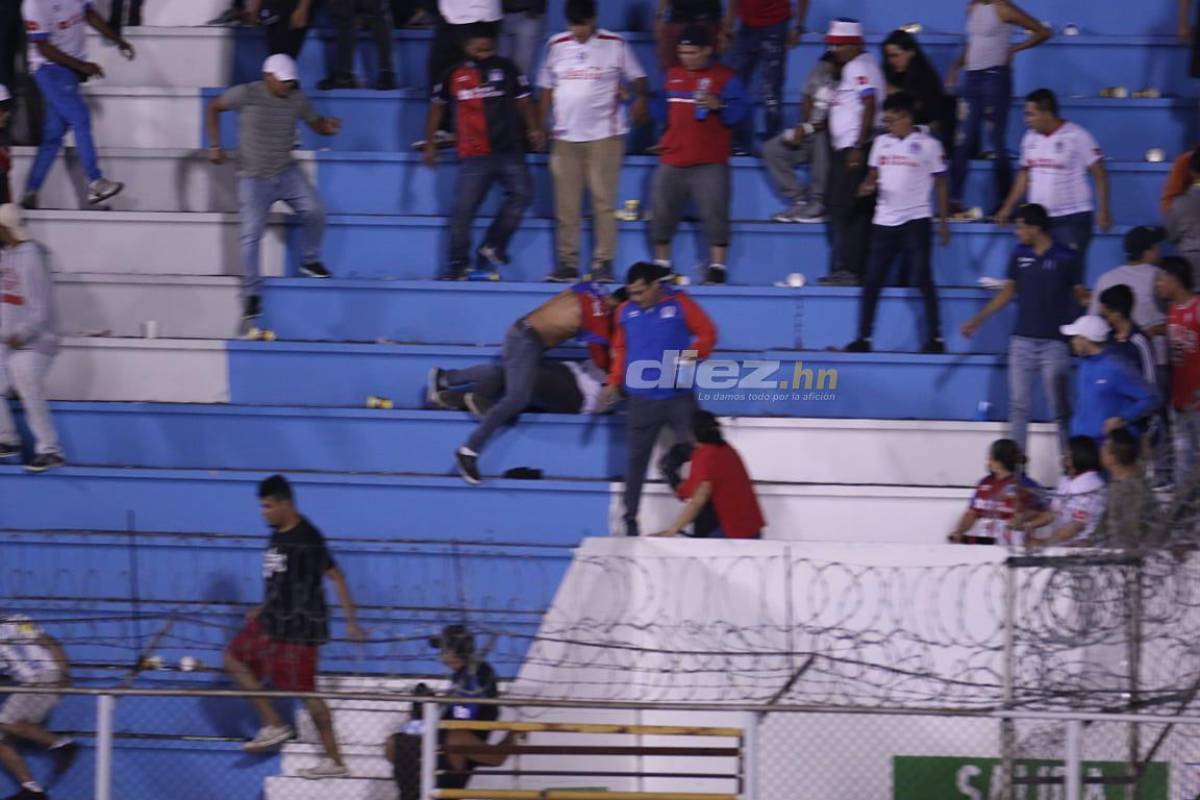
859,346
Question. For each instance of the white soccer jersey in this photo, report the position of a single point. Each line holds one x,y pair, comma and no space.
906,169
860,78
61,22
1058,168
21,657
1080,499
586,78
463,12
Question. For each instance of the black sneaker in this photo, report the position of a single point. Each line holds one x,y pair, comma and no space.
839,278
45,462
28,794
9,450
563,276
489,259
450,400
859,346
714,275
935,346
435,383
315,270
468,465
602,272
477,404
337,82
252,308
63,757
29,201
386,81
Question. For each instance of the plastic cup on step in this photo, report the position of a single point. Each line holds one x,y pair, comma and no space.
150,329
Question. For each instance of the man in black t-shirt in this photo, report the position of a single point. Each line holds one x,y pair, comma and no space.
490,101
280,640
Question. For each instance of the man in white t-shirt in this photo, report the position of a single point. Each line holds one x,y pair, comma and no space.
31,657
905,165
1056,157
1078,503
854,117
586,76
57,33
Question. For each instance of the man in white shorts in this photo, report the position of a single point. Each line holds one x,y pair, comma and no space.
31,657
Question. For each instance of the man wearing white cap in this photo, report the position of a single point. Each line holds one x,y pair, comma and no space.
854,117
270,109
28,341
1109,393
57,35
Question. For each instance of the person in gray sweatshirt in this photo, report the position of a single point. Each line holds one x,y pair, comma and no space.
1183,220
28,342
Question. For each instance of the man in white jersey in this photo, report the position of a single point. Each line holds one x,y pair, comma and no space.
57,35
854,117
905,165
1056,157
31,657
586,75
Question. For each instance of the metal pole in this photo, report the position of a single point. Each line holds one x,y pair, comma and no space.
750,756
430,716
1007,725
1135,676
106,706
1074,761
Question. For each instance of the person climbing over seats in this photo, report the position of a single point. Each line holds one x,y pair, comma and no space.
470,677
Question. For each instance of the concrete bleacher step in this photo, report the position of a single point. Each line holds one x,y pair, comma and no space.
177,436
192,12
146,370
412,248
180,307
286,787
398,184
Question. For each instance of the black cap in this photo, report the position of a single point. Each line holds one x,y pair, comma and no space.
697,36
1142,238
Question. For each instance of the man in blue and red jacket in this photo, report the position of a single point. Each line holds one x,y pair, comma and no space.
660,333
705,103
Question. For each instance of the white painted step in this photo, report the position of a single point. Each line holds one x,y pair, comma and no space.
181,12
152,117
174,180
363,761
140,370
168,57
124,242
181,307
828,513
283,787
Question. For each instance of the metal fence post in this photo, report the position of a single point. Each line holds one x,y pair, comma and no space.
750,756
431,714
1074,761
106,706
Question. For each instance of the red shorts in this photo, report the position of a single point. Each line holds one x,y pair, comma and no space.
288,667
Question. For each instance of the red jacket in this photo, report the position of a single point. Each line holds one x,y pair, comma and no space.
690,141
732,490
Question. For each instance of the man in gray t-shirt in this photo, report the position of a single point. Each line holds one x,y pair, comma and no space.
267,173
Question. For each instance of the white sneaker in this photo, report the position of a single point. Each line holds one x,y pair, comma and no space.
101,189
325,769
269,738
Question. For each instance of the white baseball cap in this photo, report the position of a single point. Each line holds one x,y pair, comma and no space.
10,217
844,31
282,66
1090,327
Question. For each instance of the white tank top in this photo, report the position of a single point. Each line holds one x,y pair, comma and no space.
987,37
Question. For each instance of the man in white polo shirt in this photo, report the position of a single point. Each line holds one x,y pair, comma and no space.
905,165
1056,157
854,118
586,75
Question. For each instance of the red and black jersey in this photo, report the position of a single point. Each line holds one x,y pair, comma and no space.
483,97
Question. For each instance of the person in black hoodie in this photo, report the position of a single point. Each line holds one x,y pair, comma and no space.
907,69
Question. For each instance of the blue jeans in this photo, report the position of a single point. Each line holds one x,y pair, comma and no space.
1027,359
255,198
521,38
769,46
64,109
911,241
986,97
520,358
1075,231
475,178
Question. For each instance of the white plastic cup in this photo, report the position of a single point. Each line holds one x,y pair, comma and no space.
150,329
796,280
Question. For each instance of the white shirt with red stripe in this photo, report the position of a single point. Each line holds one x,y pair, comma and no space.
1080,499
1058,168
586,79
63,23
906,170
861,78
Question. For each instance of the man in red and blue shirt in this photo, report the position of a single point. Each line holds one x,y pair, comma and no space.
658,332
494,117
705,102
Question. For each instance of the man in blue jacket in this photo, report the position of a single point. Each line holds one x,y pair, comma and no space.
1109,394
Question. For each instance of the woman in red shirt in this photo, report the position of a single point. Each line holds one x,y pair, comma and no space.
718,477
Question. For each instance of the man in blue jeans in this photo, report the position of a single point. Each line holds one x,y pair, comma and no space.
57,35
763,38
494,117
270,109
1044,276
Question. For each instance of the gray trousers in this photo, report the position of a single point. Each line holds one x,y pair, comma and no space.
782,160
705,185
25,371
520,358
647,417
521,38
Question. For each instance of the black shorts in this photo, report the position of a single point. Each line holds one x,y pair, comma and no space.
407,766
